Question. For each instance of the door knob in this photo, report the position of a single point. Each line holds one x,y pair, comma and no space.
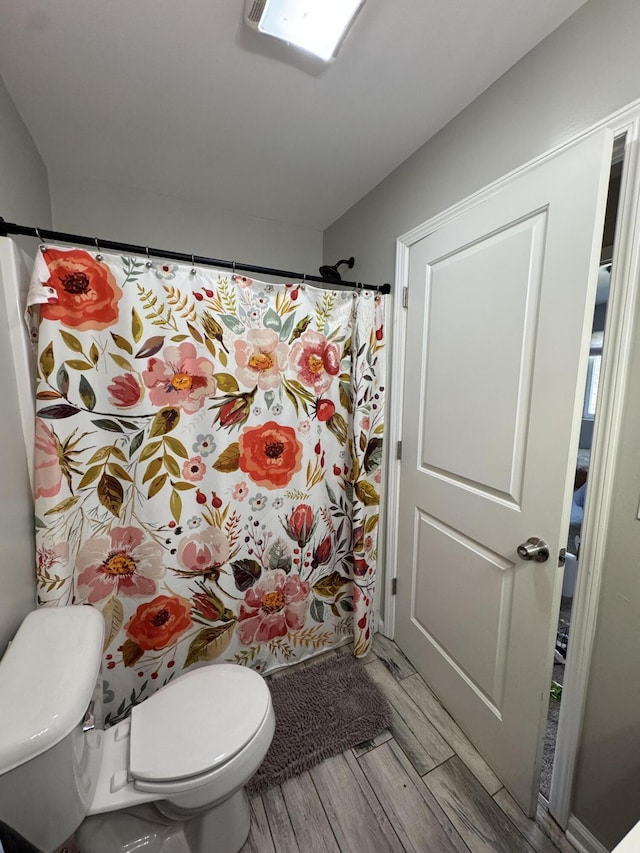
534,549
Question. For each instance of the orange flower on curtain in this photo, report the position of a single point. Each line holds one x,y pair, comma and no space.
208,464
87,294
158,623
270,455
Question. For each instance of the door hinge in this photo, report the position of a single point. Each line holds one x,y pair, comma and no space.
399,450
405,297
394,586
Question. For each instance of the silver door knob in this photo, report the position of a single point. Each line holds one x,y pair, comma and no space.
534,549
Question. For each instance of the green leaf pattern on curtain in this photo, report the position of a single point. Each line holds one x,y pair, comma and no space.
208,464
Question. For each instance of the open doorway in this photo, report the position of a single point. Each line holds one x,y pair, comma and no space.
583,460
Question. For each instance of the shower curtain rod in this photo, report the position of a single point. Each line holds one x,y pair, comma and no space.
7,228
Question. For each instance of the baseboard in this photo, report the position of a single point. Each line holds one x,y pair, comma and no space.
581,838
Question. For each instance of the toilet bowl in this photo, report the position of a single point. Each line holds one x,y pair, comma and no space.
189,749
169,779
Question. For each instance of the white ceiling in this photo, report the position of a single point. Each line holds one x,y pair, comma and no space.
179,97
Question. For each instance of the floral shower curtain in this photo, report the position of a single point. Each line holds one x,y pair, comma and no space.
208,463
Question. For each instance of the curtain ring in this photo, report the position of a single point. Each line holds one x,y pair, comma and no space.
43,248
98,253
304,281
233,268
193,265
148,264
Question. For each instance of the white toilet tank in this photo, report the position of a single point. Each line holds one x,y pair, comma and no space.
48,680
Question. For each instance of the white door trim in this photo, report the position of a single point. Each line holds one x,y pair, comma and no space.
614,378
393,422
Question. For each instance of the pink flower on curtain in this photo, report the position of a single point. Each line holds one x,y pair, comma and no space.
261,359
275,605
203,553
52,561
242,280
182,379
301,524
47,461
121,563
270,454
125,391
240,491
316,360
194,469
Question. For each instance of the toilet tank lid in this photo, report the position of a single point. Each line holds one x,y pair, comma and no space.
197,722
47,678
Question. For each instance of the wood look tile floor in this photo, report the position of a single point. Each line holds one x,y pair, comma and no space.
419,787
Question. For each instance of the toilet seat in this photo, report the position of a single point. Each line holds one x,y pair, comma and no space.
226,776
204,718
244,741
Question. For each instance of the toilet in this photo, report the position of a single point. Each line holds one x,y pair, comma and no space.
169,779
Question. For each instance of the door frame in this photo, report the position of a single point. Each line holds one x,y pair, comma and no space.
614,377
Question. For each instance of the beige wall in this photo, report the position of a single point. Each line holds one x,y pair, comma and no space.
582,72
136,216
24,198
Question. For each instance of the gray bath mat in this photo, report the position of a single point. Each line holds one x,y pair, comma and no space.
320,710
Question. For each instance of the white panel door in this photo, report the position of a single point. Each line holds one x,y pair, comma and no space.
501,299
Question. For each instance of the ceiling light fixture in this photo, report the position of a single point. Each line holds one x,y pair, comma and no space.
315,26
